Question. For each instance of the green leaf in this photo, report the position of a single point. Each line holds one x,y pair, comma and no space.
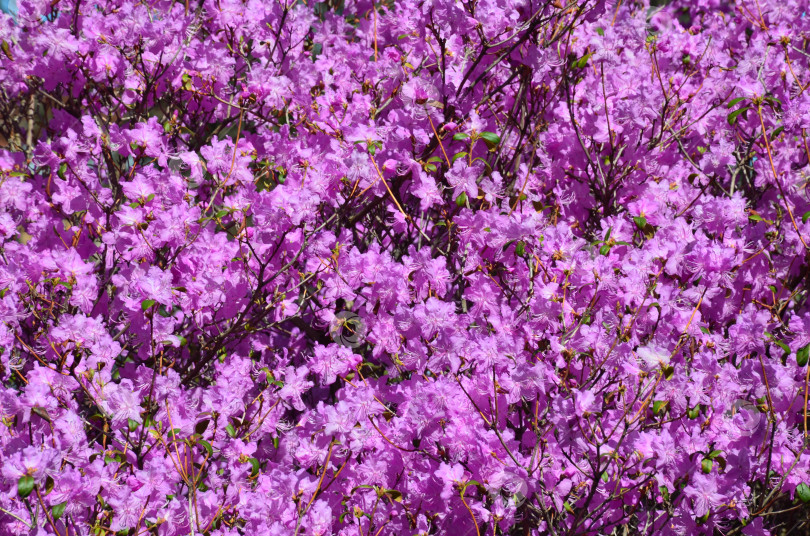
456,156
490,138
604,250
49,483
459,136
202,426
25,485
207,446
706,465
782,345
132,424
230,430
659,406
806,217
714,454
604,476
42,413
641,221
694,413
732,117
803,492
58,510
520,249
732,102
802,355
254,464
461,200
6,50
147,304
394,494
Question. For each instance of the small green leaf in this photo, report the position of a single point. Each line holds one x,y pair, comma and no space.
714,454
6,50
706,465
456,156
207,446
694,413
132,424
641,221
520,249
230,430
732,102
803,492
802,355
604,476
202,426
147,304
25,485
58,510
42,413
254,464
490,138
461,200
459,136
604,250
659,406
782,345
732,117
806,217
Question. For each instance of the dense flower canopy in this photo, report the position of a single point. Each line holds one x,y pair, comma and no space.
404,267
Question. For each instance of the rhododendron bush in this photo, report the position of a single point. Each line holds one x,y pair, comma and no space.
406,267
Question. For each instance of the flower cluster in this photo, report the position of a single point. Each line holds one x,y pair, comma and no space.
407,267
